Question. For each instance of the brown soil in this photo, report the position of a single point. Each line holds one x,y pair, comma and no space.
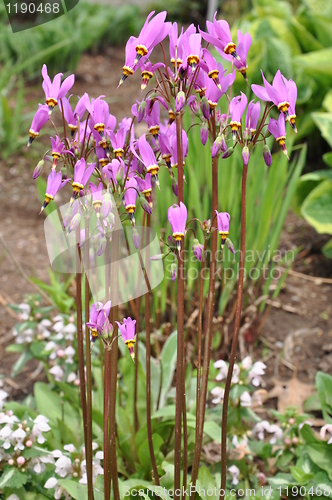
22,229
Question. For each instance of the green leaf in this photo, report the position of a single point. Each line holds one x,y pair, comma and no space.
168,362
324,388
324,123
13,478
327,249
300,476
317,64
206,482
16,348
20,363
74,488
144,453
327,158
281,480
321,455
317,208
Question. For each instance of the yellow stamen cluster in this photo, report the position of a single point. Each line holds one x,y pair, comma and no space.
141,50
118,152
154,130
130,209
77,187
193,60
33,134
235,126
127,71
99,127
178,236
152,169
283,106
51,101
230,48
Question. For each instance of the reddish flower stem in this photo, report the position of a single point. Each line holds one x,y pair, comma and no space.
107,389
180,326
148,359
88,444
235,335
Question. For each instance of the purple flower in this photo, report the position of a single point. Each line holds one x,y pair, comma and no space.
37,171
72,117
252,117
173,271
211,67
198,249
237,106
99,323
145,188
58,148
38,121
267,155
139,110
223,226
204,134
278,129
282,93
147,71
177,217
82,174
100,117
118,141
214,93
245,155
97,196
244,43
152,33
152,117
220,37
148,157
54,184
127,330
54,90
192,49
130,197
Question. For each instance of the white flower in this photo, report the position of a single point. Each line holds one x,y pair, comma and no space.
59,325
70,447
255,373
247,363
19,435
277,433
71,377
70,353
260,429
26,309
3,396
235,472
245,399
63,466
41,461
69,331
13,497
218,392
5,434
57,373
236,373
40,426
43,326
326,428
222,366
96,470
50,483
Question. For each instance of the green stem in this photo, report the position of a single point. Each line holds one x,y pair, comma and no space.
88,444
107,390
148,359
235,336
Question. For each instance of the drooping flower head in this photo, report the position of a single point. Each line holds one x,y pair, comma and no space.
127,330
99,323
192,49
97,197
148,71
38,121
223,225
177,217
71,116
220,37
58,148
242,49
54,90
130,197
252,117
148,158
211,67
152,33
54,184
82,173
237,106
278,129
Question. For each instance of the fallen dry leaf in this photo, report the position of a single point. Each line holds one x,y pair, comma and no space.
293,392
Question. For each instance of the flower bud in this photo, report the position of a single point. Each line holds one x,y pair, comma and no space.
11,462
159,256
119,177
245,155
75,222
136,238
180,101
288,442
173,271
28,444
141,111
175,187
204,134
216,147
198,249
267,155
205,108
38,169
228,153
295,440
230,245
145,204
20,460
194,106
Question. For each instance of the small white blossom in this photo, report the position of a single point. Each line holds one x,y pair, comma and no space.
70,353
255,373
26,309
19,436
69,331
57,373
326,428
247,363
218,392
71,377
63,466
40,426
3,396
222,366
70,447
235,472
245,399
5,434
